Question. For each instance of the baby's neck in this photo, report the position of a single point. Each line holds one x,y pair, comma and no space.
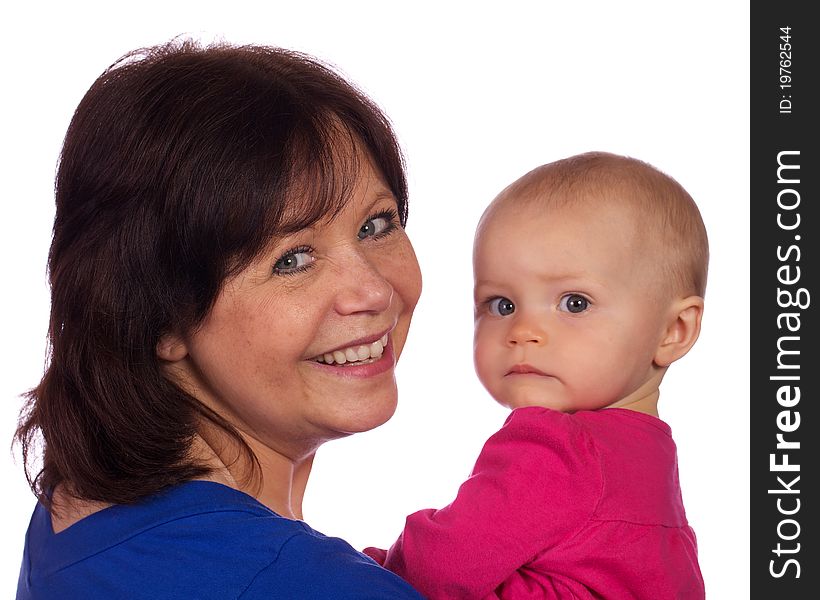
645,404
644,399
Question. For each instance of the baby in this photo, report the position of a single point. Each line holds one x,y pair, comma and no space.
589,282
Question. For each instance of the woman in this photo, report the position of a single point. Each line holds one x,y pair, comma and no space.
231,287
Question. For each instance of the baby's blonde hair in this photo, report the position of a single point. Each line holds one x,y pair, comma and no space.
667,218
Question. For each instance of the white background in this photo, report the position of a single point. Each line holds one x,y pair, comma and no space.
478,95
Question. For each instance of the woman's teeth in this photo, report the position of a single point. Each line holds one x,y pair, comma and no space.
354,354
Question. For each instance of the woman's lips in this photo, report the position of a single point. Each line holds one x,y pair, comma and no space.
363,341
361,350
367,368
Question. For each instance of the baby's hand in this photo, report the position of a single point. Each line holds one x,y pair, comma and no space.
376,554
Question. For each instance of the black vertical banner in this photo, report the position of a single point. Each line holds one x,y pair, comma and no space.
785,420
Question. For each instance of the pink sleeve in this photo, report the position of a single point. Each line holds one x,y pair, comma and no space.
376,554
534,484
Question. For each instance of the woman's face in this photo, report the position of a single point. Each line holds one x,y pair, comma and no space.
300,347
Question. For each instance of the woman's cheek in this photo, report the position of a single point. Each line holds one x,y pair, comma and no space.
399,266
405,266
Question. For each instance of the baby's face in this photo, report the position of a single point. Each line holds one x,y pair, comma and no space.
566,314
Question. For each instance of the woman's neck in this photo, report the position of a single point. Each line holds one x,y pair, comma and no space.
279,483
67,509
282,482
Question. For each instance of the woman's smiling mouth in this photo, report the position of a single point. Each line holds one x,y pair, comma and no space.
356,354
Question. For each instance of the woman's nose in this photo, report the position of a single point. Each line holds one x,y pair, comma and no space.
525,329
362,287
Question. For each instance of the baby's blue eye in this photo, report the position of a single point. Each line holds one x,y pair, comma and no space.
293,261
501,307
573,303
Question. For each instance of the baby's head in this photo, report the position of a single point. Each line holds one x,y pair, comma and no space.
590,274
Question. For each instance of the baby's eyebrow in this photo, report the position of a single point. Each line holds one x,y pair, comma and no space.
486,282
551,278
582,282
567,277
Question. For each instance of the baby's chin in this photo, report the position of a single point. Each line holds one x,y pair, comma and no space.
523,400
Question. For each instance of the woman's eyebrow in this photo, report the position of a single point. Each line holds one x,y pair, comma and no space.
379,195
383,194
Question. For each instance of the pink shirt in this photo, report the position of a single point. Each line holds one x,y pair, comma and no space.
584,505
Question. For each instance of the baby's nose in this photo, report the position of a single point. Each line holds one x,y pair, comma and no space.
526,331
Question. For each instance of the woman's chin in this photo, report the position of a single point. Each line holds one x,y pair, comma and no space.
357,415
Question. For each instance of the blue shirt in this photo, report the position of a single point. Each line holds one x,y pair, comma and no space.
197,540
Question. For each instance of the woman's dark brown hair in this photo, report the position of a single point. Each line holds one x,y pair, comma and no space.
180,165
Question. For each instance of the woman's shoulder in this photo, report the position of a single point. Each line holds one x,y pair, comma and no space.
211,510
198,539
291,557
312,565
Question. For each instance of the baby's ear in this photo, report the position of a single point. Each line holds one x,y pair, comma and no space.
682,330
171,347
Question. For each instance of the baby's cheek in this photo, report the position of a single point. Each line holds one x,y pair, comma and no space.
482,360
490,383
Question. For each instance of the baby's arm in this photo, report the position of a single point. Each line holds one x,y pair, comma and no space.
530,489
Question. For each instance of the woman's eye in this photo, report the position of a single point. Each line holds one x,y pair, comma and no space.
378,225
293,261
501,307
574,303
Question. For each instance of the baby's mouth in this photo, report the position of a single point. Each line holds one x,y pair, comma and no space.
357,355
525,369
